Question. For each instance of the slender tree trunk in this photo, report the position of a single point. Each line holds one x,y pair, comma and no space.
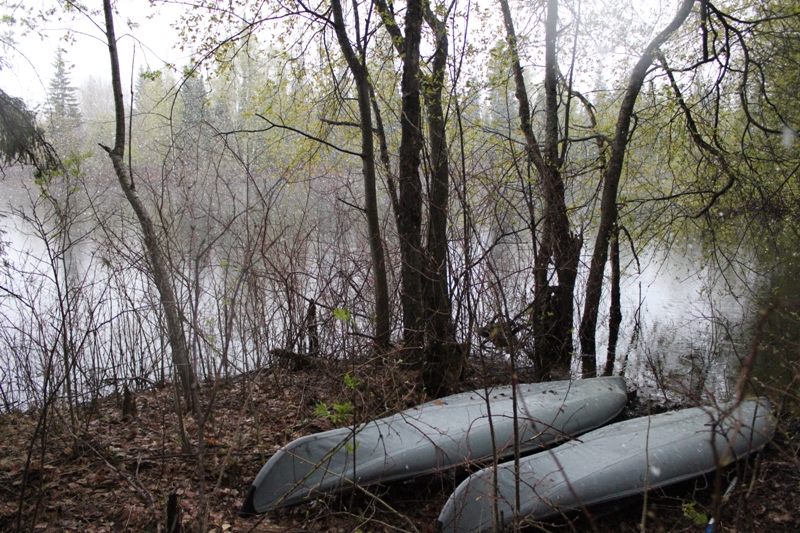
553,309
408,201
608,202
563,245
363,89
177,338
443,359
172,314
535,158
615,311
437,293
409,216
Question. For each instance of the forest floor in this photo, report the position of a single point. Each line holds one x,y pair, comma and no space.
110,472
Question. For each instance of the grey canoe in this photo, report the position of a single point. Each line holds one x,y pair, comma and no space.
433,436
619,460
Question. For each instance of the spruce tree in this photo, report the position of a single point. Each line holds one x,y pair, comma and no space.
193,93
63,110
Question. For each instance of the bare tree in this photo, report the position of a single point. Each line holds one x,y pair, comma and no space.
553,304
161,277
357,63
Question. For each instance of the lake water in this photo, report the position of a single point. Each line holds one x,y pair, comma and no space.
687,325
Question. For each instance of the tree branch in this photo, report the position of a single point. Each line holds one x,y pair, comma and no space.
304,134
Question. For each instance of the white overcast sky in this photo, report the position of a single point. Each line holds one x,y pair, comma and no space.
31,64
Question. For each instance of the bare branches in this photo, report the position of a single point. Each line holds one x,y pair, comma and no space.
293,130
719,156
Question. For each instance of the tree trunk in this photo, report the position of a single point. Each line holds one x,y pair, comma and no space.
427,310
553,308
177,338
172,313
439,331
608,202
409,216
437,294
615,310
363,89
563,246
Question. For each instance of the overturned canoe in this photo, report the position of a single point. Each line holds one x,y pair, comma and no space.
433,436
619,460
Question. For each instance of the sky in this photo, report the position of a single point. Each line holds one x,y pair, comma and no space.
147,42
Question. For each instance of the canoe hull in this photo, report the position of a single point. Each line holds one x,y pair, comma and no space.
613,462
432,437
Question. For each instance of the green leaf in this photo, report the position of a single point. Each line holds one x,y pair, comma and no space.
344,411
694,515
350,381
322,411
342,314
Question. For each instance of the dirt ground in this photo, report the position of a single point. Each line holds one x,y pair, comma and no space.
110,472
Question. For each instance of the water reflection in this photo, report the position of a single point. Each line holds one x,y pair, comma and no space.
687,325
683,326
